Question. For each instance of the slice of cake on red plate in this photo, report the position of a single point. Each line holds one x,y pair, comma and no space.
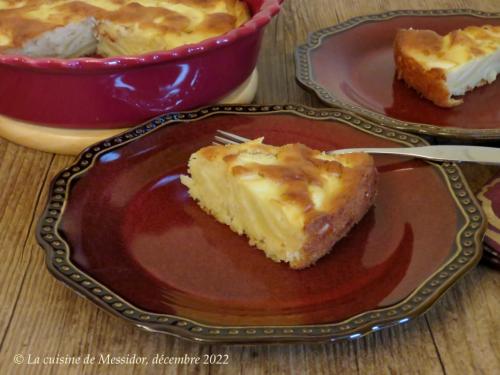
292,202
442,68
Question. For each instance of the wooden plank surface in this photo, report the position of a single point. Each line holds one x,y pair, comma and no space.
42,318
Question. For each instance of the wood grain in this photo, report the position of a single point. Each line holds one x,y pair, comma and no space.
459,335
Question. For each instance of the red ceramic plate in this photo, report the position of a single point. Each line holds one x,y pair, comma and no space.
121,229
351,65
489,197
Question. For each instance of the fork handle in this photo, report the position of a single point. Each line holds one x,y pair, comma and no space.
476,154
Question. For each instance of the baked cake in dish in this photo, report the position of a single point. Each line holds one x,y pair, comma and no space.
292,202
444,67
72,28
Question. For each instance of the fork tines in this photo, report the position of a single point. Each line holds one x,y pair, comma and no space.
226,138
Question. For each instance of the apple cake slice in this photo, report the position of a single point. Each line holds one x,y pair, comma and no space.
442,68
292,202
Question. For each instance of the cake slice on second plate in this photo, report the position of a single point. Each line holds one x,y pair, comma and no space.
292,202
444,67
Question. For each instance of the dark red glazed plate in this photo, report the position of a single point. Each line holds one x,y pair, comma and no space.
120,229
489,198
351,65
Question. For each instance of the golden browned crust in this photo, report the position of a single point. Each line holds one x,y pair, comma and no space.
359,189
295,168
429,83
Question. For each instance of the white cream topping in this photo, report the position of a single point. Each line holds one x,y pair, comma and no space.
473,74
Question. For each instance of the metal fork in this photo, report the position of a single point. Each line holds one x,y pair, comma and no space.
476,154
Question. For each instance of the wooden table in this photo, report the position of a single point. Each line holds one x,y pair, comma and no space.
41,318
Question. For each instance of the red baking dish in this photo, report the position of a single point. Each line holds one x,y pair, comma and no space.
115,92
